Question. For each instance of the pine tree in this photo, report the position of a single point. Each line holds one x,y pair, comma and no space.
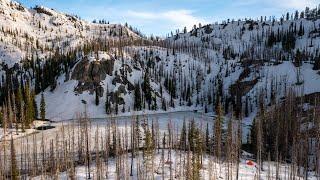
137,133
107,103
164,104
97,97
30,106
147,89
207,145
13,163
123,108
197,153
183,136
218,131
149,146
42,108
298,59
154,106
316,65
137,98
301,30
246,109
253,137
29,112
19,103
296,15
34,105
229,141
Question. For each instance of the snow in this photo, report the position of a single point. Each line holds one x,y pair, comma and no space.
14,134
64,97
50,30
68,32
211,169
10,55
122,123
23,31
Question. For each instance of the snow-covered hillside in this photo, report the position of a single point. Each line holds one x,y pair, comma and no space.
186,71
41,31
241,36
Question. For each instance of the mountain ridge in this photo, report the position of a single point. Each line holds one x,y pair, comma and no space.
43,30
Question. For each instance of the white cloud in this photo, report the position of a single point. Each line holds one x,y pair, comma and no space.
142,15
177,18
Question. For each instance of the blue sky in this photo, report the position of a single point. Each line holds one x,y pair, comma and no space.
159,17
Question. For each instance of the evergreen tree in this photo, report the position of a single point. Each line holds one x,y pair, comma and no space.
29,106
253,138
97,97
149,146
13,162
197,153
19,102
123,108
147,89
137,98
164,104
298,59
154,106
296,15
107,103
183,136
207,145
301,30
34,105
316,65
218,131
42,108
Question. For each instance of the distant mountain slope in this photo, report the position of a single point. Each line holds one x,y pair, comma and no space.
269,40
41,30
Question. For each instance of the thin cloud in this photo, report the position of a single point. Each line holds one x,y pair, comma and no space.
179,18
142,15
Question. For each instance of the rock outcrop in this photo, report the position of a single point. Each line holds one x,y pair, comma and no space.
91,73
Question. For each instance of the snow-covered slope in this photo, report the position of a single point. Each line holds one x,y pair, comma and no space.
239,37
186,71
228,60
26,31
67,95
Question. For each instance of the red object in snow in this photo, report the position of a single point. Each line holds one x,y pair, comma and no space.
250,163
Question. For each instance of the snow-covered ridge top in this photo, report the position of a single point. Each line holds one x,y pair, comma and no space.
100,56
7,1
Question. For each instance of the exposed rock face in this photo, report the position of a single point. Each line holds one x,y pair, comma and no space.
242,88
115,98
123,80
90,74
